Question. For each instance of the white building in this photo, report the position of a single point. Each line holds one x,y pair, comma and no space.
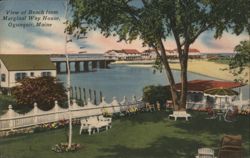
14,68
151,54
192,54
124,54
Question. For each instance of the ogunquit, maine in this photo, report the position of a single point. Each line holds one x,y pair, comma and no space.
124,79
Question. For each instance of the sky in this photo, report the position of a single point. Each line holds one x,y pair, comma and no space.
50,39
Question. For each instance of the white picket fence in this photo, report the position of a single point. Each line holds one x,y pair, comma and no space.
12,120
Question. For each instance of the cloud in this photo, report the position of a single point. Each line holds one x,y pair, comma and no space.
207,43
54,45
12,47
102,44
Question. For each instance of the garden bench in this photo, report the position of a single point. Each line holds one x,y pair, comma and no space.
205,153
94,123
108,120
180,114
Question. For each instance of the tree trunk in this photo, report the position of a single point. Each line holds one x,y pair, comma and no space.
184,83
169,73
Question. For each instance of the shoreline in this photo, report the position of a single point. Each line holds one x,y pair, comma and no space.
202,67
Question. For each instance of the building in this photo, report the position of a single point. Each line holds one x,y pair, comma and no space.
192,54
124,54
197,99
150,54
14,68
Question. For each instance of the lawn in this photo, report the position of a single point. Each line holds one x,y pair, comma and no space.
145,135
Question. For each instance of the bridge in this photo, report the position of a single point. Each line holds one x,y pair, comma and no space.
81,62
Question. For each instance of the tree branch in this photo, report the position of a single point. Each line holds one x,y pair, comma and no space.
202,29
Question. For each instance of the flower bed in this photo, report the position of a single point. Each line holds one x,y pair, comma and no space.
55,125
63,147
245,112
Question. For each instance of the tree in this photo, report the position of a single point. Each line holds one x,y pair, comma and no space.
42,90
154,21
241,60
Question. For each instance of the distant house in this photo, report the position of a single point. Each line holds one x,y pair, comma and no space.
124,54
192,54
115,54
150,54
14,68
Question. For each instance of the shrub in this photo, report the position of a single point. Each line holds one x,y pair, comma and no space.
42,90
152,94
5,101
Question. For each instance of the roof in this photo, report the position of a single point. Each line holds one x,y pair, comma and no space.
27,62
193,50
131,51
202,85
117,51
168,51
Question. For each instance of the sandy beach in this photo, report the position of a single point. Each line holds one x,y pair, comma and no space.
204,67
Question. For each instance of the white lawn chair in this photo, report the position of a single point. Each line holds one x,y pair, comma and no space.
93,123
180,114
205,153
108,120
85,126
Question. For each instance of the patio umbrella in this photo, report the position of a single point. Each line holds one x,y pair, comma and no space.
220,92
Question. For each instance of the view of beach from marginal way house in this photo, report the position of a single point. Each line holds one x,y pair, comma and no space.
124,79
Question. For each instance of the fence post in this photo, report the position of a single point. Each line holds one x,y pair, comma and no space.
124,104
80,93
35,114
95,98
11,115
76,95
116,106
134,99
100,96
90,94
74,105
56,111
84,97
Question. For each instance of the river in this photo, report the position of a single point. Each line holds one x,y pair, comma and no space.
125,80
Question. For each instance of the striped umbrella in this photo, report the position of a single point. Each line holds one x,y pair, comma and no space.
220,93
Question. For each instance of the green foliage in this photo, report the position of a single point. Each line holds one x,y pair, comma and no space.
42,90
152,94
158,66
241,60
231,15
221,60
5,101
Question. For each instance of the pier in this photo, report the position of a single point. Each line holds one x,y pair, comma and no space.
81,62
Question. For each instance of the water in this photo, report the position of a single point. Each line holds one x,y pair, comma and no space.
124,80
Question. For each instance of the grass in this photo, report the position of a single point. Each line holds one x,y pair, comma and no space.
145,135
223,60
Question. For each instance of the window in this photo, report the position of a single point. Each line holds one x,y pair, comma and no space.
32,74
3,77
46,74
20,76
